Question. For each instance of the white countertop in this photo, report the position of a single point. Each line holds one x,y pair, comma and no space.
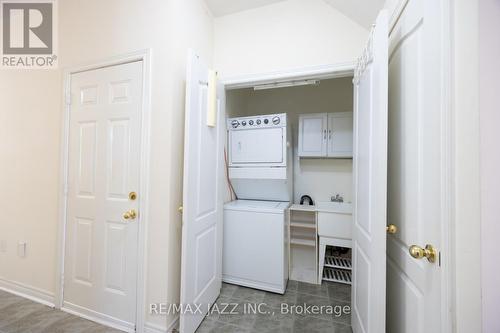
325,207
305,208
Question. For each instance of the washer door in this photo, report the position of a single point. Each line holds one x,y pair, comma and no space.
258,146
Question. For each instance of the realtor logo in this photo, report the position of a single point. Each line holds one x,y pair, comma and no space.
28,34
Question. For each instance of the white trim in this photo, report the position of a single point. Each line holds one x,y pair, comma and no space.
145,57
329,71
396,14
23,290
154,328
97,317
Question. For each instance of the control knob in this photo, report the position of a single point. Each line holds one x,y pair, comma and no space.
276,120
235,123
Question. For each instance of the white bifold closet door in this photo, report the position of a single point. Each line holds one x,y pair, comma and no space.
418,169
201,263
370,183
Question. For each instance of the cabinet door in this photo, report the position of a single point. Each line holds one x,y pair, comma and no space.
313,135
340,134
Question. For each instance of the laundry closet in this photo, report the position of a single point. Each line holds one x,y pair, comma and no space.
288,210
285,179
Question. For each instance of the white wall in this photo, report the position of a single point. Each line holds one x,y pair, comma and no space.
466,204
169,28
31,116
285,35
29,163
319,178
489,71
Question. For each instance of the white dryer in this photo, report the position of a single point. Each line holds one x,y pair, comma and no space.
260,157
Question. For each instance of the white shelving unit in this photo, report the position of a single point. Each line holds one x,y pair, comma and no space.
303,244
338,262
337,275
337,269
303,225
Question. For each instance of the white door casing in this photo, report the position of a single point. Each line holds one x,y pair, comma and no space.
370,183
417,168
100,268
201,264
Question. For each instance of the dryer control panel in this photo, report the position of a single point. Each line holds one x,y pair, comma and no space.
255,122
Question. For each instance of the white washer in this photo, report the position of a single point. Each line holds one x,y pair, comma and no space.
255,250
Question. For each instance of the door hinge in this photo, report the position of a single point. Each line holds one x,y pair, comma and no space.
439,259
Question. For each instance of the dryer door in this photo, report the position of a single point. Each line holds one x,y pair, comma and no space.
257,147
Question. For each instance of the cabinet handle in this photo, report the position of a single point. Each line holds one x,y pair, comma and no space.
329,134
324,134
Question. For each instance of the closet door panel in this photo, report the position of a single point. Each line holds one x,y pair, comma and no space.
340,134
313,135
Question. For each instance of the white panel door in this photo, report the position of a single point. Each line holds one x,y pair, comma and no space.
104,148
340,134
313,135
370,183
201,264
416,168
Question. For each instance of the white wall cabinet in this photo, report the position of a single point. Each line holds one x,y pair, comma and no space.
313,136
326,135
340,134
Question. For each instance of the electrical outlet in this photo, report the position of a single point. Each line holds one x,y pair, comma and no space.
3,246
21,249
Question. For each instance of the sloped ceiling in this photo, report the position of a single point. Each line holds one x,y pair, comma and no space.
226,7
363,12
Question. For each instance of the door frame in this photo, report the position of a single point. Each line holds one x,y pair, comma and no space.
338,70
321,72
143,56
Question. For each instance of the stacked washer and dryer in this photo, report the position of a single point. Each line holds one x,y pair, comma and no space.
255,251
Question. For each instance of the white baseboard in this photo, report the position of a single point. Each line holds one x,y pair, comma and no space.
97,317
23,290
154,328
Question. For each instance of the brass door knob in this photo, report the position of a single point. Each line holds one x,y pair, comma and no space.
391,229
418,253
130,215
